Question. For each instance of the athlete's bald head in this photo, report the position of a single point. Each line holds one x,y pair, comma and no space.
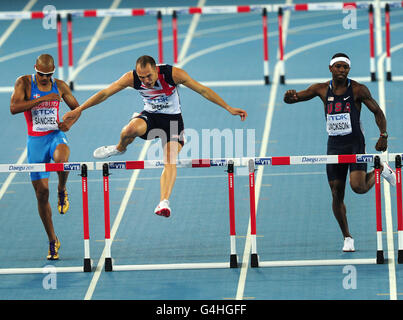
45,63
44,67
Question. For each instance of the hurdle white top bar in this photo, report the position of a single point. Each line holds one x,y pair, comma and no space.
238,162
199,163
181,163
45,167
126,12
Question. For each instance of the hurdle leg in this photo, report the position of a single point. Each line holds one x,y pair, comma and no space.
233,256
254,256
387,31
87,259
371,42
60,46
108,258
379,252
265,48
160,38
398,163
70,46
175,35
280,44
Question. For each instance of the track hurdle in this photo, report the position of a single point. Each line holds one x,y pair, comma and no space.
83,168
398,164
331,159
154,164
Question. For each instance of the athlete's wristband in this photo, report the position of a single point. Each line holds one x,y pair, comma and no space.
384,135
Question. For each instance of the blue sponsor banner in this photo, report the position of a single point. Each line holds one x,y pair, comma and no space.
263,161
218,163
365,158
72,167
117,165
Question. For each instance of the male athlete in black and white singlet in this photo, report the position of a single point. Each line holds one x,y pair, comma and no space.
342,100
164,96
162,109
161,116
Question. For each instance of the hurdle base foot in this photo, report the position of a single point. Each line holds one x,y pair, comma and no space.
254,260
400,256
282,79
389,76
108,264
233,261
373,76
87,265
71,85
379,257
266,80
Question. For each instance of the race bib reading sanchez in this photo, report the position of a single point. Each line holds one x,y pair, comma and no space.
338,124
44,116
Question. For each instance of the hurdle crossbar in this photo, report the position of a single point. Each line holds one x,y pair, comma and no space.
153,164
330,159
83,167
251,163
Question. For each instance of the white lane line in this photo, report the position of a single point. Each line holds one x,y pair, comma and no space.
116,223
263,152
101,28
3,39
386,186
126,197
309,46
189,36
15,23
11,176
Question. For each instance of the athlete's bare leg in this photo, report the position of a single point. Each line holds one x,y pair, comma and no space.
135,128
168,176
41,188
339,209
361,181
61,155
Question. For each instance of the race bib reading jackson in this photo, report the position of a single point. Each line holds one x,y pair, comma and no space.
338,124
44,116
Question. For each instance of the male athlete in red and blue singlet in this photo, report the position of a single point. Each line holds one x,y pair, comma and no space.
38,96
161,116
342,99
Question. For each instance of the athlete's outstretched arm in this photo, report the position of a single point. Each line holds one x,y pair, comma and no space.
68,98
123,82
181,77
292,96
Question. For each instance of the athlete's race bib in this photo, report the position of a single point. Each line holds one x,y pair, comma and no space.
44,116
158,103
338,124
